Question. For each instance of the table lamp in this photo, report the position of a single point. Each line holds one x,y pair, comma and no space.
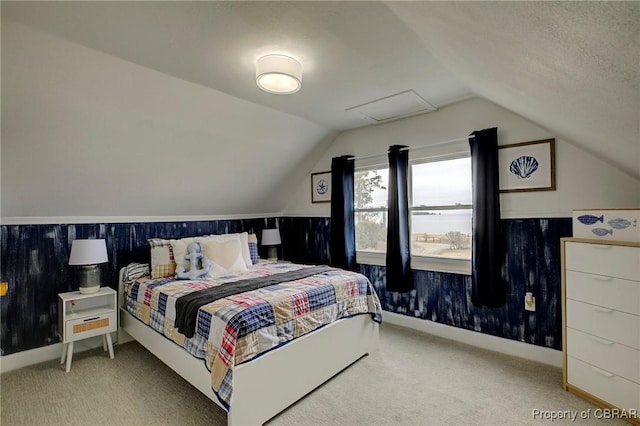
270,239
87,254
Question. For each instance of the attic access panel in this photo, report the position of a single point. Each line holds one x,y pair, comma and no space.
403,104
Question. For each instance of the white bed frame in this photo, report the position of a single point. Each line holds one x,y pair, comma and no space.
267,385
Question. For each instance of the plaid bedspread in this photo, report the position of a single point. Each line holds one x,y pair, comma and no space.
237,328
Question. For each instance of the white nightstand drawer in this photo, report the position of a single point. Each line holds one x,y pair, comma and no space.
82,328
603,384
603,259
604,322
606,354
619,294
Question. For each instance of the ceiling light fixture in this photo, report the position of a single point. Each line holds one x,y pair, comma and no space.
278,74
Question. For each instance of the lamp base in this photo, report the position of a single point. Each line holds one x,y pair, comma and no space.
89,279
89,290
272,253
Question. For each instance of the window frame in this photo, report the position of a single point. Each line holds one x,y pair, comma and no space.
418,262
374,163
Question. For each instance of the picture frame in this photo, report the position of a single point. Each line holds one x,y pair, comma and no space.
527,166
321,187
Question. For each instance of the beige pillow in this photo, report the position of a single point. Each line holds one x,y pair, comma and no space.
225,255
180,250
242,237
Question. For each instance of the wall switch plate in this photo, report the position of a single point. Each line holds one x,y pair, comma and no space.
530,303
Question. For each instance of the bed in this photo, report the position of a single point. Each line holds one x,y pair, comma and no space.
242,350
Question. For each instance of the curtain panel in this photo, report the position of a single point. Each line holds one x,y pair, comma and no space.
343,231
398,261
488,287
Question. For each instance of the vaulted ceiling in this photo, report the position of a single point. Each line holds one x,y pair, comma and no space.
570,67
352,52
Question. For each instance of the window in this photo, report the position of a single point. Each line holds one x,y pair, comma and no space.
440,208
370,201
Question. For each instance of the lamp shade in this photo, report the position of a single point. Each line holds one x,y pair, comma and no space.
88,252
278,74
271,237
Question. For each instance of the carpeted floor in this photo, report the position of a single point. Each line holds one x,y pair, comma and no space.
412,379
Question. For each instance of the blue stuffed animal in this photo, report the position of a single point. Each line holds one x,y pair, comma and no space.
196,258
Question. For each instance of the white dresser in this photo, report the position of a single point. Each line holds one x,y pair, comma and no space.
601,322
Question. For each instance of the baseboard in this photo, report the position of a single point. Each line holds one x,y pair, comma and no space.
485,341
45,353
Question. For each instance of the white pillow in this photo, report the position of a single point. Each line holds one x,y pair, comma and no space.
242,237
225,255
180,251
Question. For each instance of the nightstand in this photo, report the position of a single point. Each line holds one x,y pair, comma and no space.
81,316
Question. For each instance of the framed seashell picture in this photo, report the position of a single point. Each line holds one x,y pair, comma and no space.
527,166
321,187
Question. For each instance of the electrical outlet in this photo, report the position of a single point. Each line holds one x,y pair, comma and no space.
529,302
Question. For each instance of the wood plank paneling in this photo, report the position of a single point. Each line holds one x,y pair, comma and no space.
33,260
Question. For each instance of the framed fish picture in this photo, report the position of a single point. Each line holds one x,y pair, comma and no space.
607,224
527,166
321,187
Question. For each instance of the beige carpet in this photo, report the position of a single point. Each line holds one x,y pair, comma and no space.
412,379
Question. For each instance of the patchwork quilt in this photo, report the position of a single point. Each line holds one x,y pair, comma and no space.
240,327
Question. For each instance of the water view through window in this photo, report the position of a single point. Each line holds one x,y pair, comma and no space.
440,193
441,208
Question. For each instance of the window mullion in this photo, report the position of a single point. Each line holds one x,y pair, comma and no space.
372,209
449,207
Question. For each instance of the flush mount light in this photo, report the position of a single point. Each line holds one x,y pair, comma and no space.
279,74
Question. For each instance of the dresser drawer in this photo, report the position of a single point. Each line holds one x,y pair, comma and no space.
604,322
603,384
606,354
82,328
603,259
621,295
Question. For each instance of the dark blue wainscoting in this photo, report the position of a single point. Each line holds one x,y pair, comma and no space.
34,258
532,264
305,240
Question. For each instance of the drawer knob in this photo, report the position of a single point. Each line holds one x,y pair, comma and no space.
603,310
601,372
603,341
602,278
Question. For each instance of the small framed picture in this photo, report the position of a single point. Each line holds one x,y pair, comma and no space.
527,166
321,187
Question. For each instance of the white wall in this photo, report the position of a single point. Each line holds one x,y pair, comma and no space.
582,181
87,134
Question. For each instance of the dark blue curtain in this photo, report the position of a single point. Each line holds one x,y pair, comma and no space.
488,288
399,277
343,230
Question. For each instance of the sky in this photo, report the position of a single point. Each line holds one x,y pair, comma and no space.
429,186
